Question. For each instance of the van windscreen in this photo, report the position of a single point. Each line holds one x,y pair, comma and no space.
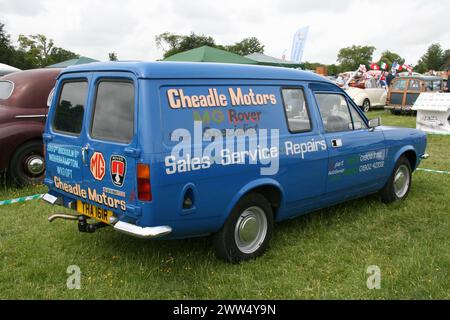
114,111
70,109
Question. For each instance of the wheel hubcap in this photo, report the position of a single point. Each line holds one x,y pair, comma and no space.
366,106
250,230
401,181
35,165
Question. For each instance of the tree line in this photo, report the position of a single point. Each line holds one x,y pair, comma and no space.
172,44
34,51
37,51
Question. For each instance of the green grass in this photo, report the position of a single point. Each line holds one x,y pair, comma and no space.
321,255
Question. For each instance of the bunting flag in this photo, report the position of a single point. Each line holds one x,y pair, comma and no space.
384,66
394,68
408,67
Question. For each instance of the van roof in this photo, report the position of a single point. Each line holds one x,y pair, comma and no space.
196,70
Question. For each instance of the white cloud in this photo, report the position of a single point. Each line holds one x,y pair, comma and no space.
21,7
94,28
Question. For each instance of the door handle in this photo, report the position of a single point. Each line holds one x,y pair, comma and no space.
336,143
84,151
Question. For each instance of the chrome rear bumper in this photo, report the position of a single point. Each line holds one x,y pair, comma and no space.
121,226
144,233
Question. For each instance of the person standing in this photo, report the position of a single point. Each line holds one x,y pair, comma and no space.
389,78
448,78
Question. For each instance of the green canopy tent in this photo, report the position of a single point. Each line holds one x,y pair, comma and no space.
72,62
266,60
209,54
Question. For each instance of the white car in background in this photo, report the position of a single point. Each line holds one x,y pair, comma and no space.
371,96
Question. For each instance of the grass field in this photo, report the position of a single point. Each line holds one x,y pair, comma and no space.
323,255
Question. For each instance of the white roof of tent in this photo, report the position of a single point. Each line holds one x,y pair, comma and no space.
5,69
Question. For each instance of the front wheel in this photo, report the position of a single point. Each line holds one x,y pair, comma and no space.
27,164
366,105
399,183
248,230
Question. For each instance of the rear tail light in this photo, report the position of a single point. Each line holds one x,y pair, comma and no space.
143,182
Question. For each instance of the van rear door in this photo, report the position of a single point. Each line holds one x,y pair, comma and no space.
64,134
110,143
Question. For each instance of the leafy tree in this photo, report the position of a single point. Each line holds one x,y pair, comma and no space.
60,54
446,60
351,57
6,48
389,57
333,69
112,56
173,43
246,46
38,51
178,43
433,59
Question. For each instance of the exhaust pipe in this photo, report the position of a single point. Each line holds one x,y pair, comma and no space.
62,216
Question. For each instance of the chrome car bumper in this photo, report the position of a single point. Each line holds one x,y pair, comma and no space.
144,233
121,226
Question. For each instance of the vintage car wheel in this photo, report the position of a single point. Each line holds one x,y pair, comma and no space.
27,165
366,105
399,183
248,230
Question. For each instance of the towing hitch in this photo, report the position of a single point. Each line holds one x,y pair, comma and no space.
83,225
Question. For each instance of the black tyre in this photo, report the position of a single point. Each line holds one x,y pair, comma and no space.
27,164
399,183
366,105
247,231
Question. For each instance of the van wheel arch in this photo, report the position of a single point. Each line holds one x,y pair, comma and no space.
268,188
411,156
272,194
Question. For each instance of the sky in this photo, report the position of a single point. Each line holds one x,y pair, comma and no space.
94,28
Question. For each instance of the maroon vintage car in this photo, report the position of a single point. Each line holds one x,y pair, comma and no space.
23,111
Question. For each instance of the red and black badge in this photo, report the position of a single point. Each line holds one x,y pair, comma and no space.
118,169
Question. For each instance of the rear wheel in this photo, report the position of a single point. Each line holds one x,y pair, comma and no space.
248,230
27,164
399,183
366,105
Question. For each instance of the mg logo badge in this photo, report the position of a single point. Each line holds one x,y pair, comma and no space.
98,166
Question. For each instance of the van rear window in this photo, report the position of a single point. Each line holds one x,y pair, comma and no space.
113,118
70,109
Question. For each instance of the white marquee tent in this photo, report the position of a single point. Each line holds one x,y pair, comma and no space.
5,69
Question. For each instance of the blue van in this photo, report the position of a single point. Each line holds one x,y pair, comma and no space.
175,150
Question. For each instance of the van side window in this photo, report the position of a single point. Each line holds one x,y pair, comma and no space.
358,121
296,110
334,111
113,117
70,108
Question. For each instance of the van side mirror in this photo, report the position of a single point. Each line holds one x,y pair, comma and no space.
373,123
